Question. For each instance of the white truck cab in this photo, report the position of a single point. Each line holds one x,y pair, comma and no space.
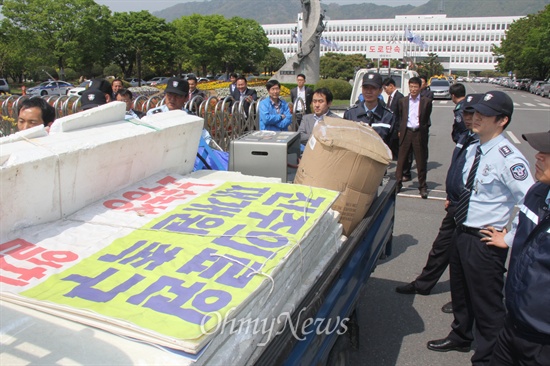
401,77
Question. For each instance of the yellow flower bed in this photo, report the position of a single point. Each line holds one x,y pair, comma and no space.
10,120
213,85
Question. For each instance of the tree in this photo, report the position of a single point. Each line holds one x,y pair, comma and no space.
216,43
139,37
338,65
252,45
525,49
72,31
273,61
430,66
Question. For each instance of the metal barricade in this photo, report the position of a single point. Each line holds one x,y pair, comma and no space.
225,118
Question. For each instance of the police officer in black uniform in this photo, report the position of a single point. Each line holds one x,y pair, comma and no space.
458,94
525,338
371,110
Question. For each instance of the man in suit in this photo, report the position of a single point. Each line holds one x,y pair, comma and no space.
303,92
193,90
414,114
233,80
372,111
322,100
393,100
243,94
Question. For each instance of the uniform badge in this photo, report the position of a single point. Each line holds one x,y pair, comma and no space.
91,97
175,84
488,97
505,151
458,119
371,76
519,171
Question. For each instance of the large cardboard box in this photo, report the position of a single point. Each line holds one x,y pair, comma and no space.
349,157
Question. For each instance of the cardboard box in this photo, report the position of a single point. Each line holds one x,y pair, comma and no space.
349,157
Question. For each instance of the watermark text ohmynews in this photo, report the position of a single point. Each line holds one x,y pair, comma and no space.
275,326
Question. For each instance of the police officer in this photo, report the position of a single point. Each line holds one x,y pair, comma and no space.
371,110
458,94
525,338
176,95
496,177
438,258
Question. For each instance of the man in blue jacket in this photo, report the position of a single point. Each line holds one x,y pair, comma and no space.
274,112
525,338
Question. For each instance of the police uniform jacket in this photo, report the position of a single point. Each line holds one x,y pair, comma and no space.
163,108
527,285
454,183
501,181
383,120
458,124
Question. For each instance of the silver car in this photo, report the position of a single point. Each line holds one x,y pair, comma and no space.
440,88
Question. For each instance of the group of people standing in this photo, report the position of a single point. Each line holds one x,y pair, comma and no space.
488,176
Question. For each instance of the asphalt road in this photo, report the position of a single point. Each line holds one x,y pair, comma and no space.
394,328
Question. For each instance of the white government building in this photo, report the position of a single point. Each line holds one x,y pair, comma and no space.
463,44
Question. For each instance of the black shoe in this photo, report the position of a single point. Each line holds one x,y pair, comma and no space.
424,194
446,345
406,178
447,308
410,289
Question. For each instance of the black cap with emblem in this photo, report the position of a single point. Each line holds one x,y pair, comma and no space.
92,98
177,86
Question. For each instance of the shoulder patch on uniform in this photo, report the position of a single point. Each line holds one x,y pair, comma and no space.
505,150
519,171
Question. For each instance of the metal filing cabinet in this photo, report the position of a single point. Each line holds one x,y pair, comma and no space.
266,154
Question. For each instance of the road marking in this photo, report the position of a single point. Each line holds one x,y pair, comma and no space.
544,105
444,102
417,196
516,104
529,104
513,137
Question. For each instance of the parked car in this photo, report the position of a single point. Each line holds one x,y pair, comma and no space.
4,86
535,85
50,88
460,79
440,88
135,81
158,80
544,90
538,91
185,76
202,80
79,89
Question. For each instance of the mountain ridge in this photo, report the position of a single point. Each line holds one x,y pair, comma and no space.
285,11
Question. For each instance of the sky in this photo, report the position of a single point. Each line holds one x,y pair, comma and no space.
137,5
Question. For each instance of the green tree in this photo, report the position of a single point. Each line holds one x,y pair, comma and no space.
212,42
525,49
273,61
72,31
338,65
430,66
138,38
250,44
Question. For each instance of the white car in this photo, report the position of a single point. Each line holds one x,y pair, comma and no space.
50,88
135,82
79,89
157,80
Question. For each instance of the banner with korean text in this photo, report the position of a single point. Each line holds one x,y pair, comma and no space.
167,277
